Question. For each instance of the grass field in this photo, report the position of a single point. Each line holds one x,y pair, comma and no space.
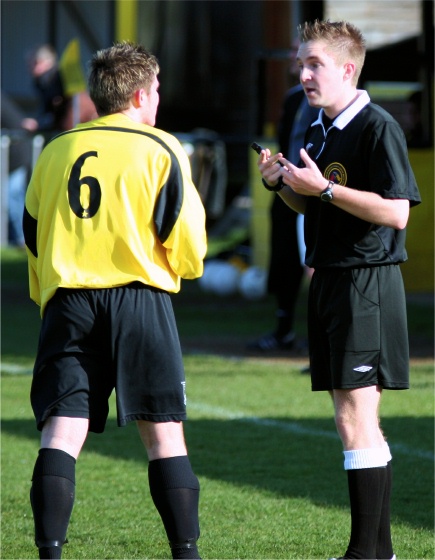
263,446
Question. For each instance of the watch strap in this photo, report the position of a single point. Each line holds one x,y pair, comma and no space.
275,188
328,192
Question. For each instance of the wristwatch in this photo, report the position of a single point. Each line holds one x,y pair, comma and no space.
327,195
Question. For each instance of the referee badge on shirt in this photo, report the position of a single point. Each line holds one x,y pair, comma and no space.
336,173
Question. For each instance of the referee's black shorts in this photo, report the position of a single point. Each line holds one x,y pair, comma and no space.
94,341
357,329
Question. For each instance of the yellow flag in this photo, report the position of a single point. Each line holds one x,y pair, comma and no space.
70,68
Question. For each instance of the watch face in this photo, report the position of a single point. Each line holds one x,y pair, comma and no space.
326,196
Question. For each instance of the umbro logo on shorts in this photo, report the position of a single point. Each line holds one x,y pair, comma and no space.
363,369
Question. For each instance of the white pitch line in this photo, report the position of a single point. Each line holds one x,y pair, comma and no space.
296,428
15,369
292,427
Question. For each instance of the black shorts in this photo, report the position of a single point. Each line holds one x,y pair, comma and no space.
357,329
94,341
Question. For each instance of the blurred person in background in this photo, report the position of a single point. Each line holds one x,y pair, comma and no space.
413,125
56,112
286,269
19,164
44,68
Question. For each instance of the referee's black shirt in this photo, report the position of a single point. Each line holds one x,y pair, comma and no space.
363,149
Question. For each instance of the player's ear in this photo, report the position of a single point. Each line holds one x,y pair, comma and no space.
138,97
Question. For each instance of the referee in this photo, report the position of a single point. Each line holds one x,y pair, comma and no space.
355,187
112,222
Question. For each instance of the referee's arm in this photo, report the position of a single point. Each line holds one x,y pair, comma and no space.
297,202
368,206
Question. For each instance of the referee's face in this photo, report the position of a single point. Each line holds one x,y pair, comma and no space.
323,79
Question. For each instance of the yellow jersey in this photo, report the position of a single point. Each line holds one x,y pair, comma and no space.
111,202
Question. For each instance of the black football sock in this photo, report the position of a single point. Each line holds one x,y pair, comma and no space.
175,492
286,302
384,547
284,323
52,499
366,493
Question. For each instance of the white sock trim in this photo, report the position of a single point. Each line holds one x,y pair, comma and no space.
365,458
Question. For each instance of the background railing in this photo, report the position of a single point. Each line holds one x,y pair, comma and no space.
18,150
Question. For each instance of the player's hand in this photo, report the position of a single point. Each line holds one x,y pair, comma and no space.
307,180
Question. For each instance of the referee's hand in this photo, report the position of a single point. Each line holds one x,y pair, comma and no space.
269,166
308,180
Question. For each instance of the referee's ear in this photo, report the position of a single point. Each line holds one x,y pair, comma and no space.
349,71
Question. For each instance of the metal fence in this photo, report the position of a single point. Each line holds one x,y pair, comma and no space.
18,149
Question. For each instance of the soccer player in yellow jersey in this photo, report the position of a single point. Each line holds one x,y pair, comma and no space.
112,223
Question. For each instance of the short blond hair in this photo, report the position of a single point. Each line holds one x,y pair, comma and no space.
117,72
343,39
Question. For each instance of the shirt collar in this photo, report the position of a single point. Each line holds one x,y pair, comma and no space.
348,114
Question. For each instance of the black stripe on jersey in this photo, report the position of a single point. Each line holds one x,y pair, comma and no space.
30,226
169,202
170,198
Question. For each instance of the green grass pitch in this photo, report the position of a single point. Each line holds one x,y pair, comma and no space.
263,445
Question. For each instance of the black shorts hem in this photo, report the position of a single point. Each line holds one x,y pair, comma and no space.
41,419
157,418
391,387
396,387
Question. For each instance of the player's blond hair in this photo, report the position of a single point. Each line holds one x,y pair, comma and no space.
343,39
117,72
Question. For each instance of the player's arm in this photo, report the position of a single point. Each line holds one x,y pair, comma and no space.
30,226
183,221
369,206
187,244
